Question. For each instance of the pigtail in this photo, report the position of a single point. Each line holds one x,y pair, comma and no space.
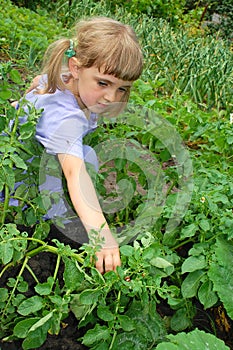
54,61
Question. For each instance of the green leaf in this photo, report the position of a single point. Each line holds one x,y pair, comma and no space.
3,294
42,321
206,294
192,341
72,276
95,335
191,283
45,288
127,250
104,313
90,296
189,231
15,76
77,308
221,274
2,122
6,252
26,130
126,323
193,263
204,225
30,305
37,333
5,94
21,328
9,177
18,162
160,263
180,320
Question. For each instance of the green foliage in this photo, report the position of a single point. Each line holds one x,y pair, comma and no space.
159,176
193,340
16,43
223,25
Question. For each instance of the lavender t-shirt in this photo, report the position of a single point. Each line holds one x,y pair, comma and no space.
62,124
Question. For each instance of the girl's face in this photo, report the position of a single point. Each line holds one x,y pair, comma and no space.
99,92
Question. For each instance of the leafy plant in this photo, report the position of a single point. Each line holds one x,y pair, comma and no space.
179,267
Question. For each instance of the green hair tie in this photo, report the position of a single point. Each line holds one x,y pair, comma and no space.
70,52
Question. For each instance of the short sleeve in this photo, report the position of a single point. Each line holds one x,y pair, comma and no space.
66,137
62,124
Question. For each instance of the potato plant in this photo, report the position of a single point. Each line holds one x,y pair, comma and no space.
170,202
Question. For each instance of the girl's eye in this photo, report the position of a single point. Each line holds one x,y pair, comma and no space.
123,90
102,83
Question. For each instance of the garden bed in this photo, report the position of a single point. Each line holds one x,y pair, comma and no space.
213,320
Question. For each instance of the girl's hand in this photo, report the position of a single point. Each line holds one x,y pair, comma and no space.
108,259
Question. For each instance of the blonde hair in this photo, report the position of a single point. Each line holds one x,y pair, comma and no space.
101,42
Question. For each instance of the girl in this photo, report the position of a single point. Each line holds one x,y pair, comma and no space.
82,78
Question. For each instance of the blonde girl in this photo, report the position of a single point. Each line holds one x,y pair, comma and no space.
82,78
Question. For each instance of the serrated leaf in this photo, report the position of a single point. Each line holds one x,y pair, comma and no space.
192,341
26,130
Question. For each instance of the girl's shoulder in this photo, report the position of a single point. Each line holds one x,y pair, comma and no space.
60,99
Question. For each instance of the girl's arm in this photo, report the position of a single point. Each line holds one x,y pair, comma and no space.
86,204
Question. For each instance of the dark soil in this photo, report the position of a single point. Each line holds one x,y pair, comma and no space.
214,321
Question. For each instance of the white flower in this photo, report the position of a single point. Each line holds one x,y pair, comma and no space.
202,200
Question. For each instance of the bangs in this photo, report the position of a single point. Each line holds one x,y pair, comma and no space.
124,62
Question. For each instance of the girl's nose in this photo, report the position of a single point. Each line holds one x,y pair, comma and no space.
110,95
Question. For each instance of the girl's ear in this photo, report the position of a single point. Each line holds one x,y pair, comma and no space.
73,65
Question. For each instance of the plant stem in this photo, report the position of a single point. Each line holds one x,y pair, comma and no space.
32,273
181,244
116,311
57,267
6,203
15,286
7,189
46,248
5,268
